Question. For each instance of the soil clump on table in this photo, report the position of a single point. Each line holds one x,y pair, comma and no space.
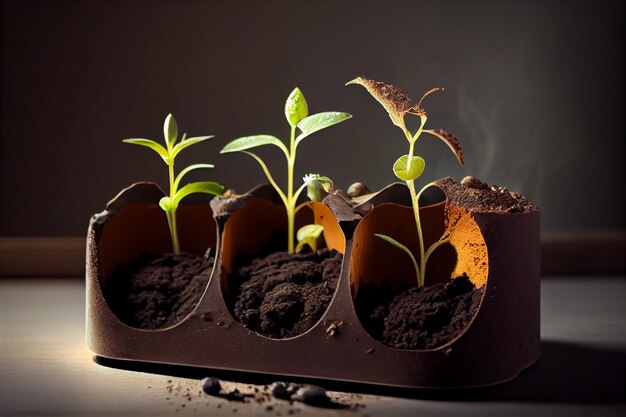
282,295
415,318
277,395
157,293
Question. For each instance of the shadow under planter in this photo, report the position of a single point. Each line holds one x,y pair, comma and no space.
571,373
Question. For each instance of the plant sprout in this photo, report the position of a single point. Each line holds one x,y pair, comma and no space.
409,167
170,203
297,115
308,235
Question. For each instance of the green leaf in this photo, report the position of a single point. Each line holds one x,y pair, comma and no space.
197,187
317,187
166,204
249,142
308,235
324,183
391,240
296,107
406,250
269,177
314,230
182,173
320,121
170,130
187,143
315,191
150,144
415,170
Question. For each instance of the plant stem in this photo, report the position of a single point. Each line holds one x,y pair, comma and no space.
171,215
433,247
416,210
416,213
171,221
408,162
291,212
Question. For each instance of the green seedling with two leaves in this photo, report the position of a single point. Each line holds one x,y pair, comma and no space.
168,153
297,115
409,167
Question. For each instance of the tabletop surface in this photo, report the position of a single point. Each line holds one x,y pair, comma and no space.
45,368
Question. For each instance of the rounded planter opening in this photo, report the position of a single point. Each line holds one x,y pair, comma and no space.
383,281
144,284
269,291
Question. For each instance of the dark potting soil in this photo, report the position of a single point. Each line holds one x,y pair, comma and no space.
282,295
415,318
157,293
477,196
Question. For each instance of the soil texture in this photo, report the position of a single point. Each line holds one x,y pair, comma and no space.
282,295
415,318
476,196
157,293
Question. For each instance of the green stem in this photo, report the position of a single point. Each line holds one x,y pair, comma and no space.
416,213
433,247
400,246
416,267
408,162
416,210
419,131
171,221
171,215
291,218
291,212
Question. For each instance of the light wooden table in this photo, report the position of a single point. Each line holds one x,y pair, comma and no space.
46,370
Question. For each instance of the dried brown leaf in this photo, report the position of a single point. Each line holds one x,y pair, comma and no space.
394,100
429,92
450,140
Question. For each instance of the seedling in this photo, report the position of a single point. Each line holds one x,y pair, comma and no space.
170,202
409,167
308,235
297,115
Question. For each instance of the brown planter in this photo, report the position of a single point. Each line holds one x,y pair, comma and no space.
502,340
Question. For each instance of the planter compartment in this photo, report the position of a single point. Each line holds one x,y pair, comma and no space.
498,252
502,340
286,294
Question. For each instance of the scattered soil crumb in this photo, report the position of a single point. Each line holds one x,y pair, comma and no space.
278,397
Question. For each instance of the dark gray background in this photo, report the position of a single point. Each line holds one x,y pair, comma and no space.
535,92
